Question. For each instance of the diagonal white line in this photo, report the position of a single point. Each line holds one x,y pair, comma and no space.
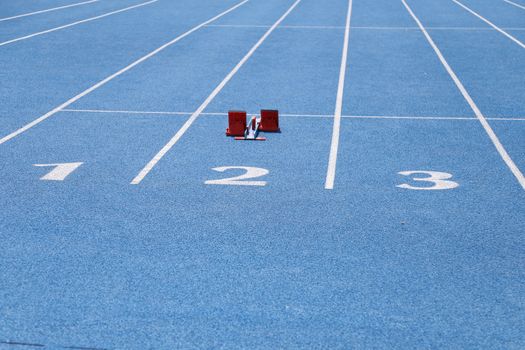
113,76
334,147
491,24
488,129
76,23
513,3
151,164
48,10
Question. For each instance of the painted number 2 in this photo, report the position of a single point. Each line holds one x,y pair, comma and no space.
250,173
439,180
60,170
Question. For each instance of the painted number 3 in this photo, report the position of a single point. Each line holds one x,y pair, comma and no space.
439,180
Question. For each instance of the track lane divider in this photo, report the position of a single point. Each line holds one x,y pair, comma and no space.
491,24
515,4
76,23
48,10
488,129
151,164
334,146
114,75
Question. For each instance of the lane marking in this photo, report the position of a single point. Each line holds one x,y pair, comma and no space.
488,129
440,180
151,164
359,27
60,170
48,10
334,147
491,24
513,3
299,115
113,76
122,111
437,28
426,118
76,23
267,26
240,180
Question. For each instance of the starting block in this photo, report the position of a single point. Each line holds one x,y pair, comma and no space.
236,123
237,126
269,121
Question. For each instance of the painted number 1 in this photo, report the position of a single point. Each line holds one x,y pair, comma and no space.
439,180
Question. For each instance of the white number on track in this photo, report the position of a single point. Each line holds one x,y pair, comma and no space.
60,170
251,173
439,179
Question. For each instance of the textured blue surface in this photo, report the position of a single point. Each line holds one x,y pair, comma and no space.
95,262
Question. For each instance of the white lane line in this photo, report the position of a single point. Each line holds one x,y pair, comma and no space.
298,115
238,25
48,10
513,3
76,23
425,118
436,28
268,26
334,147
488,129
113,76
183,113
113,111
360,27
151,164
491,24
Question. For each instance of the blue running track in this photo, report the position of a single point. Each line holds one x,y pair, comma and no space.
119,228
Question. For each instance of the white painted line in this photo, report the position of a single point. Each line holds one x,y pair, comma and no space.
406,117
48,10
359,27
182,113
123,111
513,3
471,28
506,119
114,75
491,24
238,26
488,129
151,164
334,147
76,23
267,26
436,28
312,27
297,115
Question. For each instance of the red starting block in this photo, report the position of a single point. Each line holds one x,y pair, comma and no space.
236,123
269,121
